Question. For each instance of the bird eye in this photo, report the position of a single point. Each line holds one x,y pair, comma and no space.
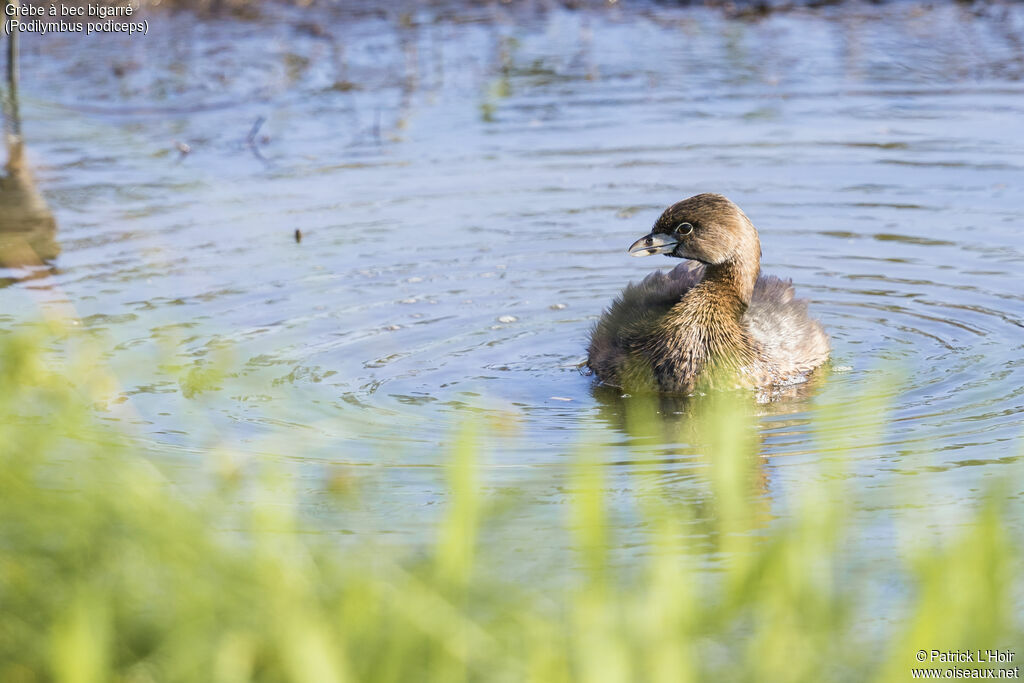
684,229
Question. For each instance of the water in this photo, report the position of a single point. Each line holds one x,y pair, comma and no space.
466,181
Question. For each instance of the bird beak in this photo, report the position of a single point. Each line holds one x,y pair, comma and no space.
655,243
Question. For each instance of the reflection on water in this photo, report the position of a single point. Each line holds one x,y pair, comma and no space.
466,180
27,226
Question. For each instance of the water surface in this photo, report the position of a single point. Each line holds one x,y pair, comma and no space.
466,181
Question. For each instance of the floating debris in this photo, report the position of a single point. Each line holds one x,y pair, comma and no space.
252,142
183,149
557,307
298,235
507,319
560,398
344,86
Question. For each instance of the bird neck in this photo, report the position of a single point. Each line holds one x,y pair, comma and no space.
738,273
735,277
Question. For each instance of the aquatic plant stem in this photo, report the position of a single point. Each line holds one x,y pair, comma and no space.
12,118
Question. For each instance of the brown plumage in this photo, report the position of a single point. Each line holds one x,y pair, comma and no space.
713,324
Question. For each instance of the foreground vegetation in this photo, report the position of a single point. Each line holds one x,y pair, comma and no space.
109,572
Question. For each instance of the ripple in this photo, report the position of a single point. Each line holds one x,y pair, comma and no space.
465,212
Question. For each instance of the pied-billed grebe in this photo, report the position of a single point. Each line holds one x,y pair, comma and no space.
716,324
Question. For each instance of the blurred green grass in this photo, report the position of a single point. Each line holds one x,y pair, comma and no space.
110,572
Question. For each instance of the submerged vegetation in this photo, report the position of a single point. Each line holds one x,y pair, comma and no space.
108,571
